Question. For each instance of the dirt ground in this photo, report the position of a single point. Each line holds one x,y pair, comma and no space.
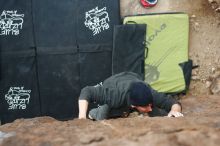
201,106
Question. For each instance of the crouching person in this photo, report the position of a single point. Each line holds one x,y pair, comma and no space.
121,93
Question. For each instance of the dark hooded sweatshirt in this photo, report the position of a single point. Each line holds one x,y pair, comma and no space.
112,96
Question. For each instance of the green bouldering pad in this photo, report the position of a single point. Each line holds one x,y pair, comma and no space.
166,48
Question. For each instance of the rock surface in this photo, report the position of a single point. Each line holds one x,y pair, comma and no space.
200,126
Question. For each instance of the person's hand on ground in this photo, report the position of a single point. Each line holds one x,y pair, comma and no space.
175,111
174,114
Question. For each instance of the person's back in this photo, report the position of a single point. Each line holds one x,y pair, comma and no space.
117,88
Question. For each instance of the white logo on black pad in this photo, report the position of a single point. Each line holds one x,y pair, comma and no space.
11,23
17,98
97,20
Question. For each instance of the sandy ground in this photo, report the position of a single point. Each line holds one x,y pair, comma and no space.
201,124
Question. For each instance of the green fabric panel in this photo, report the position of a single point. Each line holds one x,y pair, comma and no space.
167,42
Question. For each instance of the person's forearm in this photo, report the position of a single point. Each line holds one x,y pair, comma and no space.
83,107
176,108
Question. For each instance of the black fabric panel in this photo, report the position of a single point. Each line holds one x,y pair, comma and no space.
59,84
54,22
18,86
187,72
0,65
128,48
94,67
95,21
16,29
